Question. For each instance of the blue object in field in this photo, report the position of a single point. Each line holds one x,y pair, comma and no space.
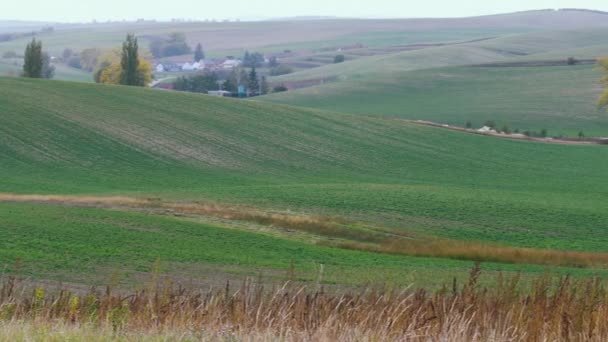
242,91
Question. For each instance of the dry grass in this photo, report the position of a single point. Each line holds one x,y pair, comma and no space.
553,310
477,251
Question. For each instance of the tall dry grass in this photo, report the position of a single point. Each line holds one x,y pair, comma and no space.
553,310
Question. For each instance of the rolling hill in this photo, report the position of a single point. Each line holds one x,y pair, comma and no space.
75,138
448,84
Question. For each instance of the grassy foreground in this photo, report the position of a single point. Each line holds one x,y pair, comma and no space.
560,310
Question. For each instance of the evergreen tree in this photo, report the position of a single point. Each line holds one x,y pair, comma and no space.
199,53
264,87
130,63
32,64
253,83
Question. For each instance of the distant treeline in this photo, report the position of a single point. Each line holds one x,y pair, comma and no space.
5,37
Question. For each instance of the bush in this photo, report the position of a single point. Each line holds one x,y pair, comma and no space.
279,89
280,70
572,61
468,124
339,59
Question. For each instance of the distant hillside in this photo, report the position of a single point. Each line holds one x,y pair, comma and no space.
220,36
416,85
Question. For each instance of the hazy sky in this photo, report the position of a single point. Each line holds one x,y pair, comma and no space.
86,10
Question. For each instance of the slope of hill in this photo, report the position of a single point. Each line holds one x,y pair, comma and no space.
559,98
390,88
61,137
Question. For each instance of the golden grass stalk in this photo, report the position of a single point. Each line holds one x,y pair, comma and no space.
553,310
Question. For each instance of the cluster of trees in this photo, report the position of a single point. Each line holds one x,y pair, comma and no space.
200,83
253,84
174,45
37,63
250,82
339,59
124,67
253,59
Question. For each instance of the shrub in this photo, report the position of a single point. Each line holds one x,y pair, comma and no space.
339,59
279,89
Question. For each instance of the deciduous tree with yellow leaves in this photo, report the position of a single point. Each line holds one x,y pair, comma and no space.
124,66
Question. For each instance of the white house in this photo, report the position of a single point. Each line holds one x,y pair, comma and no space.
486,129
231,64
160,68
187,67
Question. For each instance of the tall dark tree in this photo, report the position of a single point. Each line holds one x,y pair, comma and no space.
253,84
33,63
264,87
129,62
199,53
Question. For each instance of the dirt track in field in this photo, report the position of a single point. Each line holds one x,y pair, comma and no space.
583,141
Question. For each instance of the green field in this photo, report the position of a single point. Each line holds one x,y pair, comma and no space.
439,83
74,138
88,246
559,98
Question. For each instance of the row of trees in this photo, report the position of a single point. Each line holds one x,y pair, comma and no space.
249,82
